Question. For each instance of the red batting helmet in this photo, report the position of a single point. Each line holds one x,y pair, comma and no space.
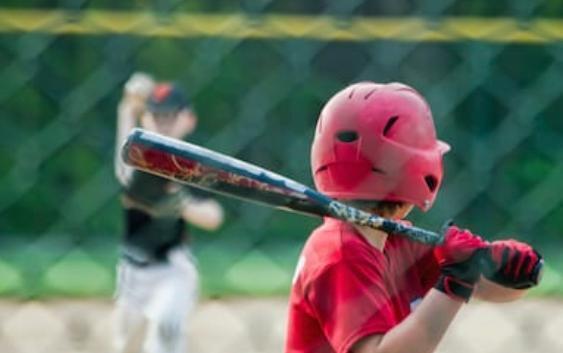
378,142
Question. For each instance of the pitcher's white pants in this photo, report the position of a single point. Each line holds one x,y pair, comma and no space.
153,304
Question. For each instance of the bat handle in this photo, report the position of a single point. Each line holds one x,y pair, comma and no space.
415,233
360,217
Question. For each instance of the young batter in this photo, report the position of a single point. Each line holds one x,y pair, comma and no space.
362,290
157,278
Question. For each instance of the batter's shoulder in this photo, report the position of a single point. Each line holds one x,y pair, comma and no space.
335,241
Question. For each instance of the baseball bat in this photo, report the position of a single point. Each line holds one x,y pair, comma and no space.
199,167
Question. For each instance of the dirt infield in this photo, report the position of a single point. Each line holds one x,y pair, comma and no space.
258,325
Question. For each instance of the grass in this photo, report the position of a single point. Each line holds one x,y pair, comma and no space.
263,271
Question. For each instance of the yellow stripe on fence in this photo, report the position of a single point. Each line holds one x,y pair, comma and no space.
325,28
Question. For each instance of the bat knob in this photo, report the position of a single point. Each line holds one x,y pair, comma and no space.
537,272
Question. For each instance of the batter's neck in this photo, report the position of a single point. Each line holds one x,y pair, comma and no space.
376,238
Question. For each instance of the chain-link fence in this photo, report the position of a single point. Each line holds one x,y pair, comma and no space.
258,78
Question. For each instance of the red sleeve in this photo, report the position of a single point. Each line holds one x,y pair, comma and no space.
350,301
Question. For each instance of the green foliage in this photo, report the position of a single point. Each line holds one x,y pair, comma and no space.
498,105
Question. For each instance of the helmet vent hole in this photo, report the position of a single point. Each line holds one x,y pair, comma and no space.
347,136
370,93
351,94
431,182
377,170
389,125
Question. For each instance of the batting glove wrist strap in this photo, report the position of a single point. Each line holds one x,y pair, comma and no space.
458,258
458,279
454,288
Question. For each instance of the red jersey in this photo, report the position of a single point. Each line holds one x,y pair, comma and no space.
345,289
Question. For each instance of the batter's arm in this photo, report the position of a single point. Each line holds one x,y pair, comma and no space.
490,291
420,332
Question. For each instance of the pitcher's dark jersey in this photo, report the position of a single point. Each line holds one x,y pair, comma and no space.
153,219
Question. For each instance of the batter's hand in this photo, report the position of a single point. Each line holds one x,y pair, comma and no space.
512,264
459,260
